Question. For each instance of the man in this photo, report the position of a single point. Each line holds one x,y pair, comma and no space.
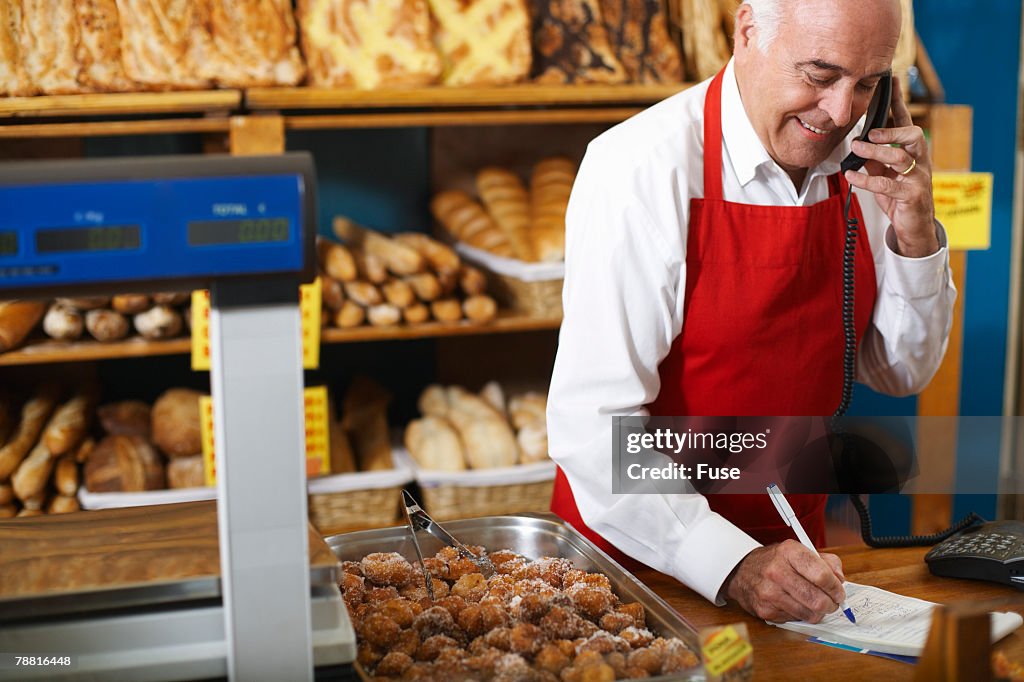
704,277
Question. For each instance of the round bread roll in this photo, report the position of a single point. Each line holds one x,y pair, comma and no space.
186,472
176,423
124,464
126,418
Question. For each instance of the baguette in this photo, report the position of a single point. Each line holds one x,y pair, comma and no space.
425,285
343,460
442,258
384,315
370,267
400,259
68,426
337,261
6,493
363,293
365,419
506,200
417,313
63,504
399,293
467,221
17,318
84,450
332,294
130,304
486,435
29,480
449,281
472,280
446,310
351,315
34,415
65,475
480,308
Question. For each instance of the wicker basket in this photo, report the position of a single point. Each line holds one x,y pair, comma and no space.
446,502
529,288
357,501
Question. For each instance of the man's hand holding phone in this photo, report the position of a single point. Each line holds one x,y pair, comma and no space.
901,179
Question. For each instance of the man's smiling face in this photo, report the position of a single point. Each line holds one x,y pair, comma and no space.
806,90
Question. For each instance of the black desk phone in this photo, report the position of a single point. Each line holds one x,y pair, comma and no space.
992,551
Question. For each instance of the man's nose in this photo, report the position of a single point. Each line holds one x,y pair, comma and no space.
838,104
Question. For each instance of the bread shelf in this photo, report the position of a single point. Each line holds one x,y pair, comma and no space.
438,97
115,128
48,351
121,104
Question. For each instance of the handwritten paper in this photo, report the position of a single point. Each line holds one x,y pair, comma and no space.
963,204
887,622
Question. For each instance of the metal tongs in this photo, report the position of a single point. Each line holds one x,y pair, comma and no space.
420,520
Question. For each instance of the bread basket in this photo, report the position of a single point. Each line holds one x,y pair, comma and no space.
356,501
533,289
484,492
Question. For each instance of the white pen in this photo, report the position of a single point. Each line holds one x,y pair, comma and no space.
789,516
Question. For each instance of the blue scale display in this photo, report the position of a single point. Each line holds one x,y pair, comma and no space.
158,222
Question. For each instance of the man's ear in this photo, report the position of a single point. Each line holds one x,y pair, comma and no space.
746,31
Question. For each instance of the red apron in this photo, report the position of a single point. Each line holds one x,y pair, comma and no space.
762,327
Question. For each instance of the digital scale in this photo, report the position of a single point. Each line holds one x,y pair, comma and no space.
243,227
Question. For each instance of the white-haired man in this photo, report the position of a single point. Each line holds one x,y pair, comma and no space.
704,277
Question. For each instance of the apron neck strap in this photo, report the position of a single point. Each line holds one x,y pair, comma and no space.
713,139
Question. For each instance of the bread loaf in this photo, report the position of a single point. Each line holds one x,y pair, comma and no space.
159,322
529,408
433,401
365,419
351,315
84,449
449,281
472,280
425,285
417,313
485,434
6,494
17,318
186,472
533,443
446,310
106,325
483,42
160,40
65,475
337,261
126,418
249,43
332,294
363,293
99,50
124,464
495,397
434,444
480,308
370,267
399,293
384,315
49,36
570,44
14,79
176,423
506,200
550,186
63,323
130,304
34,415
368,44
639,31
67,427
343,460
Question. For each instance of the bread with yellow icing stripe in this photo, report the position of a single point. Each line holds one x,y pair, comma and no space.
368,43
483,42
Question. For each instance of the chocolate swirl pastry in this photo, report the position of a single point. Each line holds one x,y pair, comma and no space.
570,44
638,30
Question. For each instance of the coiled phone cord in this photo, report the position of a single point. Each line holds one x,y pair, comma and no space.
849,374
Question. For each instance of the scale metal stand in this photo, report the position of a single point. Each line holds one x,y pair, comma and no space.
245,229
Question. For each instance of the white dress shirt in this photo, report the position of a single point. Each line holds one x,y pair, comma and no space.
626,235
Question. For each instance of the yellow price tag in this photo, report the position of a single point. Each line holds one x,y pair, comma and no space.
309,309
318,448
724,649
963,204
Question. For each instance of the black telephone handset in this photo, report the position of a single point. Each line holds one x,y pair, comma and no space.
992,551
877,116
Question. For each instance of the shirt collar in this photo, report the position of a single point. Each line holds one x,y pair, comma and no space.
742,145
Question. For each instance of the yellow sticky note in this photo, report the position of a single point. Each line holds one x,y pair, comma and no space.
201,330
724,650
309,309
963,204
318,448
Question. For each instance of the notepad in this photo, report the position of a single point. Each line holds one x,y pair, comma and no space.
888,623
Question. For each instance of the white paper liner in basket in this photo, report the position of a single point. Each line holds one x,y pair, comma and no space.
473,478
362,480
510,267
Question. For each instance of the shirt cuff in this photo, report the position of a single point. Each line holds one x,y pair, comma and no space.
709,553
912,278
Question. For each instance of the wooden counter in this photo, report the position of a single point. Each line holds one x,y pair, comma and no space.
783,655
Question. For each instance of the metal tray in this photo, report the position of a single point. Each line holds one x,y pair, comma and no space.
534,536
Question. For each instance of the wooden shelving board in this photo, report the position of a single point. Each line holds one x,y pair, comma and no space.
524,95
121,104
48,351
113,128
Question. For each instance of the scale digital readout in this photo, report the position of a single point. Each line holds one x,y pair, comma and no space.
165,222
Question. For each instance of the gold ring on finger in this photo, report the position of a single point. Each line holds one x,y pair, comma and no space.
913,165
